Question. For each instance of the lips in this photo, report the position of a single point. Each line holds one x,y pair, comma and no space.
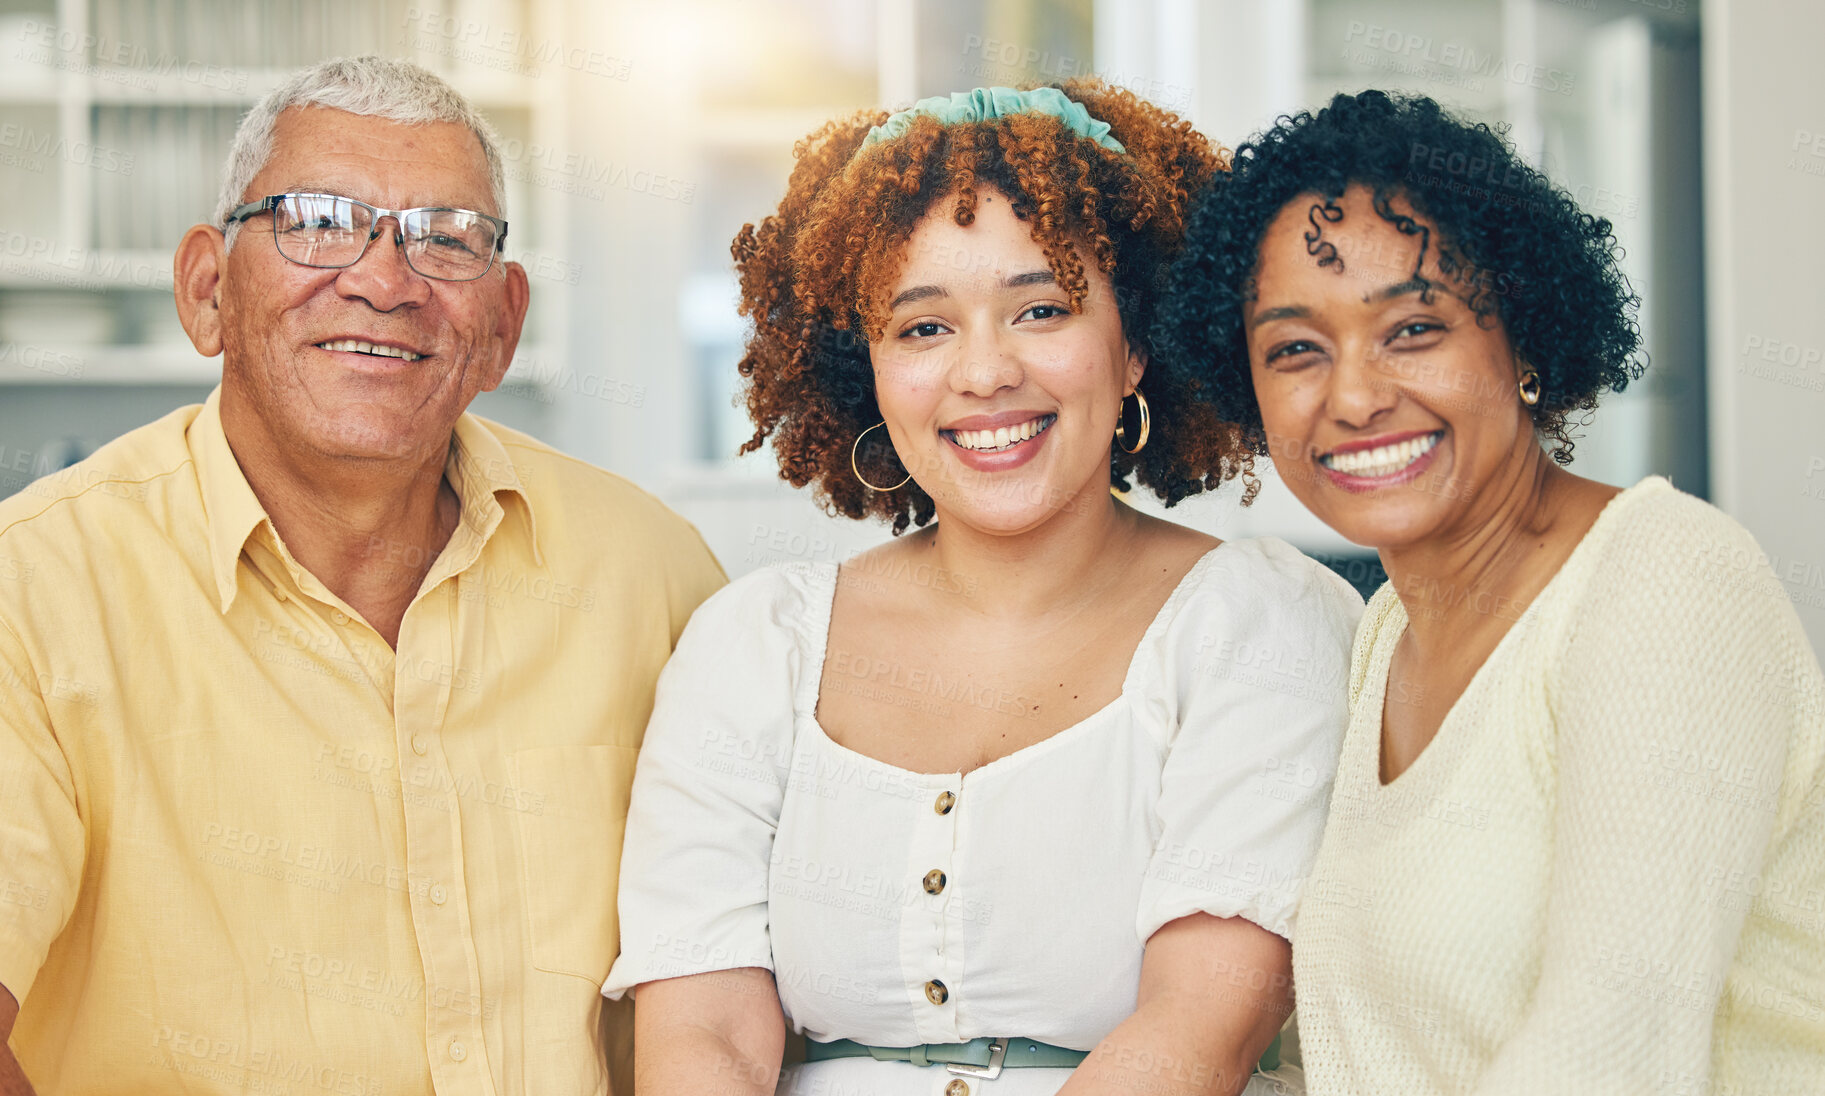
372,349
999,439
1383,460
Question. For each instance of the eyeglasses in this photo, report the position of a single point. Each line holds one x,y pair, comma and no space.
324,230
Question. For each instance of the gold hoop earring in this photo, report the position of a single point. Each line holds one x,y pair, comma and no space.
1530,388
858,472
1121,438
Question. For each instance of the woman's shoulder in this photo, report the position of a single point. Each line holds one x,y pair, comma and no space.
1657,539
1671,579
1258,601
1266,574
779,598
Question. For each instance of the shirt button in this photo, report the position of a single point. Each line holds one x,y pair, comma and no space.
339,616
418,745
438,894
458,1051
934,881
936,993
957,1088
944,803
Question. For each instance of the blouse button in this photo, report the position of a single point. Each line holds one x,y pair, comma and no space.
934,881
944,803
936,993
957,1088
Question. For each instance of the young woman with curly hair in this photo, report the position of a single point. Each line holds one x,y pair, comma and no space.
1020,801
1577,838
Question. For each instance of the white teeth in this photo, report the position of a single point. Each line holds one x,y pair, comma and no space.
1382,461
357,346
1003,437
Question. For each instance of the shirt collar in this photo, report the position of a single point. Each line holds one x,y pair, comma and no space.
231,512
478,468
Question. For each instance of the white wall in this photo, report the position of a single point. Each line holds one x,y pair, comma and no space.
1764,175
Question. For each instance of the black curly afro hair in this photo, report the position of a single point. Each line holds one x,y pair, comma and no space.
1519,246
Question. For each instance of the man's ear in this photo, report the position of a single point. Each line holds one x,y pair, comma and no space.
197,278
510,321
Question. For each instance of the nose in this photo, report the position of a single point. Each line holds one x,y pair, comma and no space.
1360,390
987,366
382,277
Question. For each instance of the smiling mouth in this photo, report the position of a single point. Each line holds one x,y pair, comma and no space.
357,346
1385,460
1002,438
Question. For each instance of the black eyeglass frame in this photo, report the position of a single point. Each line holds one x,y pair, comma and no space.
271,201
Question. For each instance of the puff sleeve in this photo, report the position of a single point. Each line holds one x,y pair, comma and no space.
708,789
1256,671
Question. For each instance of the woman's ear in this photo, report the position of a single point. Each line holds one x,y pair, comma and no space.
1137,368
197,276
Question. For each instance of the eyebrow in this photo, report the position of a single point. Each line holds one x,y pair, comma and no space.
1013,281
336,191
316,188
1399,289
1287,312
1300,312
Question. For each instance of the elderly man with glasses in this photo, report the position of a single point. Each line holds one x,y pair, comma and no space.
322,699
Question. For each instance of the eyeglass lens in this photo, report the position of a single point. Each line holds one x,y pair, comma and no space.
320,230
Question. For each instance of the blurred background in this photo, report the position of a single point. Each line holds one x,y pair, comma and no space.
640,137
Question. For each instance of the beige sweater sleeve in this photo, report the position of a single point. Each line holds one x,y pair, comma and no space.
1674,713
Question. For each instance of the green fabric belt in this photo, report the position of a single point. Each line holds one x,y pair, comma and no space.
977,1052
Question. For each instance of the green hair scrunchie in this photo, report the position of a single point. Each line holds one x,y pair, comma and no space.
983,104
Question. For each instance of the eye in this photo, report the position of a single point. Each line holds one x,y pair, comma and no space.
924,329
1045,312
1416,329
448,243
1287,351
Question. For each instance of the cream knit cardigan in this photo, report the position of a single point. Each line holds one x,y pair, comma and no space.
1606,874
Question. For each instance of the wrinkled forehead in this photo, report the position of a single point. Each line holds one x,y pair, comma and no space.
375,159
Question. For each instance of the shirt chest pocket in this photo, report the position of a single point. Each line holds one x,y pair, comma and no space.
571,853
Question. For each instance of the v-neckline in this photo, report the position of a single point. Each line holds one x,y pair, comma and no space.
1383,663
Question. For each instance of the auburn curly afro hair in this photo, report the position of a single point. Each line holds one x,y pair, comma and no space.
1518,245
815,277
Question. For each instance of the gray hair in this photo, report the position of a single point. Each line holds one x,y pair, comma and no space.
398,91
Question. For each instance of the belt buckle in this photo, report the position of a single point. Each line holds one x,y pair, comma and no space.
998,1050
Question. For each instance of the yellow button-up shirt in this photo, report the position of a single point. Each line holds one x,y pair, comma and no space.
245,846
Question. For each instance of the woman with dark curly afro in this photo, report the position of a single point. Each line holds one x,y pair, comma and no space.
1586,727
992,808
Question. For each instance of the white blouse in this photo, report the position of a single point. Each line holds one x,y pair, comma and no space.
895,907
